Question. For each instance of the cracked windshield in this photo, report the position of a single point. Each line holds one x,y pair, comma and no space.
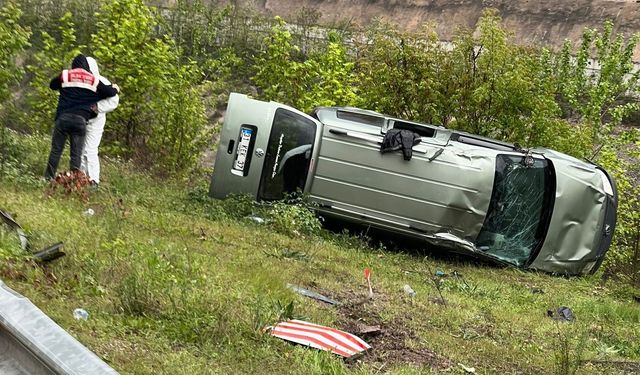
515,223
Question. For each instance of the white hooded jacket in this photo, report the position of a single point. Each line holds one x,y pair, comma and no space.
105,105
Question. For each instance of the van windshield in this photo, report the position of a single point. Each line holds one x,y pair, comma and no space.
288,155
520,209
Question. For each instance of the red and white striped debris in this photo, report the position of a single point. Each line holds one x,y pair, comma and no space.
320,337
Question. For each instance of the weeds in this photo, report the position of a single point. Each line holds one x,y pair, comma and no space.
288,254
568,349
170,289
136,297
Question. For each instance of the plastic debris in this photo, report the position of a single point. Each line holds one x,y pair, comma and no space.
312,294
8,219
440,274
320,337
468,370
409,291
50,253
80,314
562,313
89,212
536,291
256,219
45,255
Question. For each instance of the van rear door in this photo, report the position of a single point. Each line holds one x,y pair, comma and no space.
265,150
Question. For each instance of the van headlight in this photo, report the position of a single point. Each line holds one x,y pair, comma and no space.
606,184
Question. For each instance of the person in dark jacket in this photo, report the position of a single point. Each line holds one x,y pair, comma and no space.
79,92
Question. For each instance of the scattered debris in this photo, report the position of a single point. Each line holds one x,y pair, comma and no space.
536,291
408,290
256,219
365,330
395,344
468,370
440,274
367,276
46,255
8,219
320,337
89,212
80,314
562,313
312,294
50,253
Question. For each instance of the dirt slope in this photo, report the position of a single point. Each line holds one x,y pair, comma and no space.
532,21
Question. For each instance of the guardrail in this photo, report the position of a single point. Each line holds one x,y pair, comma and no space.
31,343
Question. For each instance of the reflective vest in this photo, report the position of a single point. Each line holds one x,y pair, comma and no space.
79,78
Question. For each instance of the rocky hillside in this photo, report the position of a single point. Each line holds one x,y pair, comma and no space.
533,21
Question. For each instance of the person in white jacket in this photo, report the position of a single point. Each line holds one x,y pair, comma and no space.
95,127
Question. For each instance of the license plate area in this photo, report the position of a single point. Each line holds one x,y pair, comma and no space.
244,150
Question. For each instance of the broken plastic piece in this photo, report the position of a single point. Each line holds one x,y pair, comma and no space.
408,290
256,219
440,274
468,370
80,314
8,219
312,294
562,313
320,337
52,252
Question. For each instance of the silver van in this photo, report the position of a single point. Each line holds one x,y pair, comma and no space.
533,209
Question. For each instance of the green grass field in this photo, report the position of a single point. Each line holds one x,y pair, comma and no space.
177,283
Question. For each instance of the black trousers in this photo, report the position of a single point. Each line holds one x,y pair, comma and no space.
69,126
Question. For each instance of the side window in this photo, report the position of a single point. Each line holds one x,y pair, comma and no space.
424,131
360,118
288,155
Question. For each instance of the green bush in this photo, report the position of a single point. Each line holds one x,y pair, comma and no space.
160,119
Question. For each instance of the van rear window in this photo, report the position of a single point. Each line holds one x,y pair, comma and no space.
288,155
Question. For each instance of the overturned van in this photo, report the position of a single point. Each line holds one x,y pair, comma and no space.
534,209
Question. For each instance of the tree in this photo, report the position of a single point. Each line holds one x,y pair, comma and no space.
595,96
55,55
592,87
401,74
14,38
283,74
501,88
160,119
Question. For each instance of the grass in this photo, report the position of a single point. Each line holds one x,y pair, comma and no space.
176,283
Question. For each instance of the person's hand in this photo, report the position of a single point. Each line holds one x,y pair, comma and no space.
115,86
